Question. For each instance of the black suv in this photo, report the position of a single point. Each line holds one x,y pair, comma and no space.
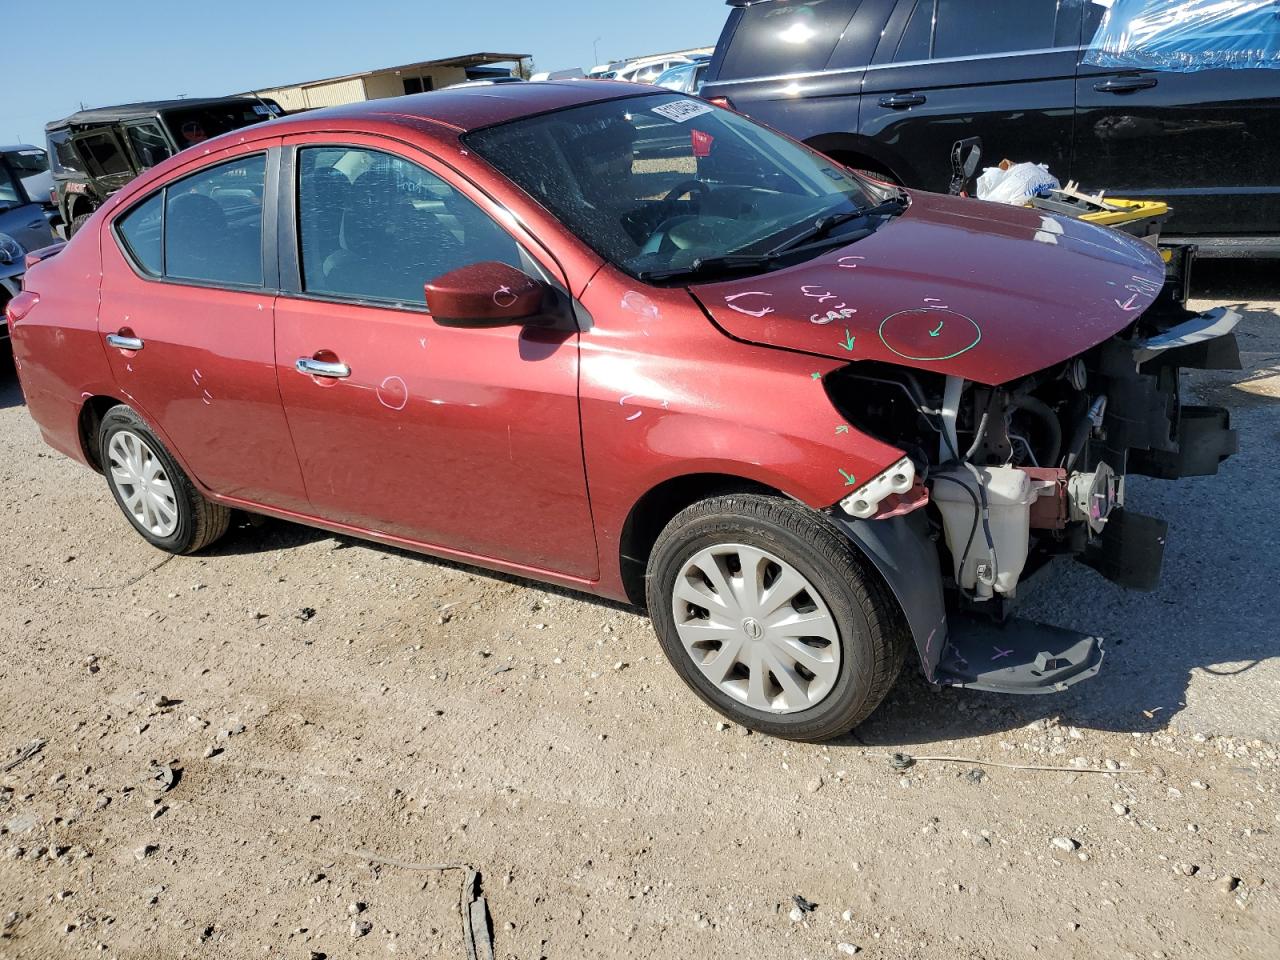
889,85
94,153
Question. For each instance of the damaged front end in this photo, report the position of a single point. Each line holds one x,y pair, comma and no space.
997,481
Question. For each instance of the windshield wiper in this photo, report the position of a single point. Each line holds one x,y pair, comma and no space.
728,261
825,224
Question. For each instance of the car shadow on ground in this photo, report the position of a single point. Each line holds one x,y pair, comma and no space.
260,534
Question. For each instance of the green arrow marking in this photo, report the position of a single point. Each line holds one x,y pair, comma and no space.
849,479
934,333
847,343
843,428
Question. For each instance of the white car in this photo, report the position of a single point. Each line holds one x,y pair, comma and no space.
647,69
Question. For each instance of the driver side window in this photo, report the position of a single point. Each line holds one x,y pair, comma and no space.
374,226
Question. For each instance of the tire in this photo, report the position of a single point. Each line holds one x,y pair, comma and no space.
77,223
860,663
168,510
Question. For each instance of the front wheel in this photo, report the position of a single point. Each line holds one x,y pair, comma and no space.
770,615
154,493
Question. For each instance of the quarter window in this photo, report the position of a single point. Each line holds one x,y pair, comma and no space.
376,227
786,36
213,224
967,28
143,233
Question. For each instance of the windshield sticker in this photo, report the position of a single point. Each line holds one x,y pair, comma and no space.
701,143
681,111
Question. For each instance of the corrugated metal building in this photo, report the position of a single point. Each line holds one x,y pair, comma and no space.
393,81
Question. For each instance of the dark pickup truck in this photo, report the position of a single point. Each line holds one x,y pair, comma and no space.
888,86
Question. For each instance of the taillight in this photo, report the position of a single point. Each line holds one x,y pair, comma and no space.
44,253
21,305
721,102
53,196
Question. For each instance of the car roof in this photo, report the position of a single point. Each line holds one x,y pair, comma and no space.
146,108
457,109
18,147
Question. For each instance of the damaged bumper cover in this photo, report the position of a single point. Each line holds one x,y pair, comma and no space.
1140,427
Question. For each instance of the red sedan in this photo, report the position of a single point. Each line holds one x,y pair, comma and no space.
624,341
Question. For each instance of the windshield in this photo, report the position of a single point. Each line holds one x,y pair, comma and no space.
32,167
659,182
9,196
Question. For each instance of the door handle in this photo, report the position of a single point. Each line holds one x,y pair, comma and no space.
321,368
900,101
1125,84
124,343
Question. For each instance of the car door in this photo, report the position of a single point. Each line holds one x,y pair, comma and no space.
466,440
105,160
186,319
21,216
1002,70
1204,141
148,142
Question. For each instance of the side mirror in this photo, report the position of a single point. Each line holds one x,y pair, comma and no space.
489,294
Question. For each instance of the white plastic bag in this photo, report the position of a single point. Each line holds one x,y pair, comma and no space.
1017,185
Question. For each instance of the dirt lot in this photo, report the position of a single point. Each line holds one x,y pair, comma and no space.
322,702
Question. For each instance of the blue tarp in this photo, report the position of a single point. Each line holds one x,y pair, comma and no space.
1187,35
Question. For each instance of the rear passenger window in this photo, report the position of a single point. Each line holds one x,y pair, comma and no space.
376,227
786,36
213,224
967,28
142,232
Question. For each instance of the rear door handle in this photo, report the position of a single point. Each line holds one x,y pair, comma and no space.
900,101
321,368
124,343
1125,84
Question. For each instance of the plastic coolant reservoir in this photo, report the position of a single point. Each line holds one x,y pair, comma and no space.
1010,493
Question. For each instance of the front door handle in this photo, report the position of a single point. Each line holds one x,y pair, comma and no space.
1125,84
900,101
321,368
124,343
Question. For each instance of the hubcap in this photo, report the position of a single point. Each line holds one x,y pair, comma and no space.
139,477
756,628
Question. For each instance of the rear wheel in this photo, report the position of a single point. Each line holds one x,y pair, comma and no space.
768,613
154,493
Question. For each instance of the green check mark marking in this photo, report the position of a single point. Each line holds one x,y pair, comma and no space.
847,343
849,479
934,333
815,375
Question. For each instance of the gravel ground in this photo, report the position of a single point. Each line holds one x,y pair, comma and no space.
317,705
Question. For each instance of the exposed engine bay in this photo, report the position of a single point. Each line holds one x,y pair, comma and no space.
1011,476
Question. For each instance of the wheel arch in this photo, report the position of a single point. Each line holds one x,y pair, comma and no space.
654,510
862,153
92,411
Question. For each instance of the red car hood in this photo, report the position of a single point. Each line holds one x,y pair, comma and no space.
970,289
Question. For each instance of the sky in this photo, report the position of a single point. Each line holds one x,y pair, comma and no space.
156,49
